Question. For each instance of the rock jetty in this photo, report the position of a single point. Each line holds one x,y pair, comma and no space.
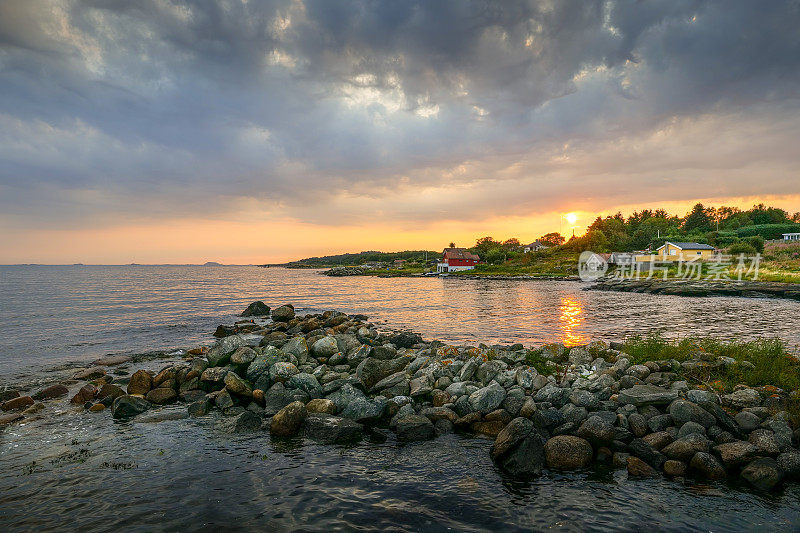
335,378
681,287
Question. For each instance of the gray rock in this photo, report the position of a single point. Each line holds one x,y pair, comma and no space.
128,406
488,398
707,466
306,383
645,452
370,371
298,347
597,431
345,395
747,421
282,372
383,353
412,428
583,398
243,356
552,394
244,422
422,385
525,376
683,411
640,395
469,369
736,453
519,449
683,449
763,473
325,347
691,427
220,351
257,308
365,411
638,425
275,399
699,396
515,399
214,374
330,429
789,462
742,398
765,441
200,407
660,422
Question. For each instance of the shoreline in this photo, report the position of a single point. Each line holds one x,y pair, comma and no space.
336,379
701,288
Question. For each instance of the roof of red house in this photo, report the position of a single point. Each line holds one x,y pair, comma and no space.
459,253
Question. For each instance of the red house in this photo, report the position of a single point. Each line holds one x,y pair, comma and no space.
455,259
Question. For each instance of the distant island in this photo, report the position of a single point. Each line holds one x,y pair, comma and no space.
212,264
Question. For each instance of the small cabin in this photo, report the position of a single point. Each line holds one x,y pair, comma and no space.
684,251
535,246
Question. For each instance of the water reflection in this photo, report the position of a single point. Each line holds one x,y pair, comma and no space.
571,318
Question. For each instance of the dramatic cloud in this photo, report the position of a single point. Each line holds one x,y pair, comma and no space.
335,113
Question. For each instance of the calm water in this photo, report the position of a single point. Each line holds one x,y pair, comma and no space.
70,470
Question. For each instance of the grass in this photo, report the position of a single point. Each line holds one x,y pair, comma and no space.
760,363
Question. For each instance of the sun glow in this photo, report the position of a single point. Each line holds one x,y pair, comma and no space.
571,217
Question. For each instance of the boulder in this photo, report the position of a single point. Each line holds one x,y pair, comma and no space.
214,374
742,398
736,453
52,392
281,372
329,429
298,347
364,410
88,374
128,406
288,420
763,473
325,347
640,395
765,441
708,466
683,449
683,411
18,403
257,308
370,371
597,431
85,394
789,462
243,355
161,396
674,468
321,405
519,448
412,428
237,385
283,313
140,383
109,390
200,407
639,468
405,339
220,351
567,452
244,422
421,386
488,398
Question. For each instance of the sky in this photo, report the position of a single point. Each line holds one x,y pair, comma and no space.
250,132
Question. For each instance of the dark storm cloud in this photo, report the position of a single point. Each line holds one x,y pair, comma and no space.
136,107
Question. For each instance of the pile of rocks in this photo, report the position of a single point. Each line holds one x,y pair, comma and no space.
333,377
692,287
345,271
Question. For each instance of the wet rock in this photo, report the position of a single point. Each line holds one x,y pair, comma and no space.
658,440
638,425
370,371
644,451
96,408
724,420
214,374
112,360
52,392
200,407
519,448
763,473
140,383
639,468
411,428
405,339
298,347
765,441
85,394
325,347
365,411
707,465
283,313
691,427
257,308
11,418
88,374
329,429
220,352
736,453
237,385
528,408
8,395
109,390
567,452
288,420
128,406
161,396
244,422
18,403
674,468
640,395
383,353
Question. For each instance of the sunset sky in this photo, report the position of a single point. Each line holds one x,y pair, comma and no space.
248,132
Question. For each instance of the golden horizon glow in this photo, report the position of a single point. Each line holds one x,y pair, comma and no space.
571,218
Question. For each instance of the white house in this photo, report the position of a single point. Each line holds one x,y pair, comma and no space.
456,259
535,246
791,236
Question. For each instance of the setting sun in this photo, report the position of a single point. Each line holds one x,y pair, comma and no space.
571,217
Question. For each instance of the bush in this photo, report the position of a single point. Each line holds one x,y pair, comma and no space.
756,241
742,248
768,231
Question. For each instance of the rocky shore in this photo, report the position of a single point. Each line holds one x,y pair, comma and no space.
680,287
336,379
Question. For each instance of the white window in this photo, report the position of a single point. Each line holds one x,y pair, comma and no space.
673,251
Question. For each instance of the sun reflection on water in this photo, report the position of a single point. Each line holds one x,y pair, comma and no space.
571,317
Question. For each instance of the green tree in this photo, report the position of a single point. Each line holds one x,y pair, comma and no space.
552,239
698,220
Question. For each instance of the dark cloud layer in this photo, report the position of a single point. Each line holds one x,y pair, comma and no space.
132,108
